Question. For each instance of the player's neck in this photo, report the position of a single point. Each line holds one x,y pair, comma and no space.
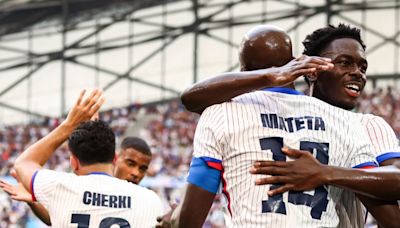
102,167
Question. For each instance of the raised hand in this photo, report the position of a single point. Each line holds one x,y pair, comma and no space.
85,109
303,65
16,192
305,173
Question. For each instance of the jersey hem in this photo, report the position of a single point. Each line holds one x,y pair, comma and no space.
366,165
386,156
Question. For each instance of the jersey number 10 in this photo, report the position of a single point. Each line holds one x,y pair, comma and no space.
83,221
318,202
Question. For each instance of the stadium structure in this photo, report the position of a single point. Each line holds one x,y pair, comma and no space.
149,50
146,52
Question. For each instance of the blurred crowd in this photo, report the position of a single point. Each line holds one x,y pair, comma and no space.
384,103
169,132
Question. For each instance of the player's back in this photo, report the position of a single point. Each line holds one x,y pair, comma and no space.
256,126
97,200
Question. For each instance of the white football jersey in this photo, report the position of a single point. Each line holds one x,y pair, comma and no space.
95,200
255,126
385,146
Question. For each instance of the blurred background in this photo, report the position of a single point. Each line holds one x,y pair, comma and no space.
143,53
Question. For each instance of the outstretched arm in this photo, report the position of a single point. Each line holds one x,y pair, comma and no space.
306,173
33,158
224,87
19,193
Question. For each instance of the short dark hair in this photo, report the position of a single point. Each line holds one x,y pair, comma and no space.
315,42
93,142
137,144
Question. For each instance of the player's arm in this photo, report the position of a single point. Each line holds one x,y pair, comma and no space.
386,213
307,173
203,182
40,212
224,87
205,169
33,158
193,210
19,193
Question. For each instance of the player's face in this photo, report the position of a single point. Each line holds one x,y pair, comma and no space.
343,85
131,165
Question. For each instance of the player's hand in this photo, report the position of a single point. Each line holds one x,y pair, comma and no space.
305,173
16,192
303,65
165,220
85,108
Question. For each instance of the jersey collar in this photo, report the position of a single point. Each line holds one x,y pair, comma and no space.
283,90
99,173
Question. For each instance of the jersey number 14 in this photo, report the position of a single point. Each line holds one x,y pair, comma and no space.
318,202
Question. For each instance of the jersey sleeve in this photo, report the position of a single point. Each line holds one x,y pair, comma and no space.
383,138
361,156
208,138
363,159
158,206
44,183
206,166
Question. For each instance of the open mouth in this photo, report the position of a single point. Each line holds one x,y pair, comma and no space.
353,90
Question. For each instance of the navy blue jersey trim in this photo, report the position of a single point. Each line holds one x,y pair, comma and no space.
366,165
283,90
386,156
99,173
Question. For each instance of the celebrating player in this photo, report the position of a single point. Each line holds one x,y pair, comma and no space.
248,81
92,197
131,164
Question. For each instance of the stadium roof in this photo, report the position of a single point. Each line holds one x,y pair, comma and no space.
18,15
150,50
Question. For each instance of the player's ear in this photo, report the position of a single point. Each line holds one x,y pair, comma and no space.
75,165
115,158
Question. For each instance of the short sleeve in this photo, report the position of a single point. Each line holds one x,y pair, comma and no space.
157,206
44,183
383,139
362,155
208,138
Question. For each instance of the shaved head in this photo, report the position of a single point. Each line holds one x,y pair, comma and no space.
265,46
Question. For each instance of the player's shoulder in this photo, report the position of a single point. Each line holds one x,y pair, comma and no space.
147,195
137,188
371,118
57,175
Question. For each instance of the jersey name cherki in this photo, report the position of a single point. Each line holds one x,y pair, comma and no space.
103,200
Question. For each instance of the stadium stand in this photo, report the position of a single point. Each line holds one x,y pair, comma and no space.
168,129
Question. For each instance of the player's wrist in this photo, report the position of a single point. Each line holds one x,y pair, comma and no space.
327,175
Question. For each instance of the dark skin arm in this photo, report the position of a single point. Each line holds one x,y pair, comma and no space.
307,173
193,210
385,212
226,86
